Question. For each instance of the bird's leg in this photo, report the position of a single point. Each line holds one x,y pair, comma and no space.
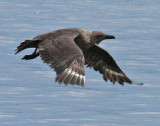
32,56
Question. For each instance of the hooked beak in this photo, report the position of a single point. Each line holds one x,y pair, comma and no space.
109,37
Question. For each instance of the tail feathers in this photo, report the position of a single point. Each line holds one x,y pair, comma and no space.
22,46
27,44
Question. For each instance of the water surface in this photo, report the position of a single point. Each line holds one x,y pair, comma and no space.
28,93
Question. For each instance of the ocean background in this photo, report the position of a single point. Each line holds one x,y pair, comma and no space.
29,95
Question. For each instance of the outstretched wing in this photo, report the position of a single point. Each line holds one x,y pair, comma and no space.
65,57
100,60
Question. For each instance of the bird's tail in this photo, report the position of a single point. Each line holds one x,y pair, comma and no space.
27,44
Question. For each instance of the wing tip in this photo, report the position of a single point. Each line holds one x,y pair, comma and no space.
137,83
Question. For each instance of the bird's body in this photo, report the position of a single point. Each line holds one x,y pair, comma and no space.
68,50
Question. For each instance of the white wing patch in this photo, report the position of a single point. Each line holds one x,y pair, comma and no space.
75,74
72,75
113,72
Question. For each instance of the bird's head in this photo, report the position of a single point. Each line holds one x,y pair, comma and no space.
98,36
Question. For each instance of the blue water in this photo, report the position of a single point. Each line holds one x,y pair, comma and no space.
30,97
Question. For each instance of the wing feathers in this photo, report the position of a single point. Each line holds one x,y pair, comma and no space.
66,58
102,61
74,74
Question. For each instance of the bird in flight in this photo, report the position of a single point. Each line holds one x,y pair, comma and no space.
68,50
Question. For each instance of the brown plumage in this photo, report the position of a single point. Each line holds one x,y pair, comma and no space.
68,50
